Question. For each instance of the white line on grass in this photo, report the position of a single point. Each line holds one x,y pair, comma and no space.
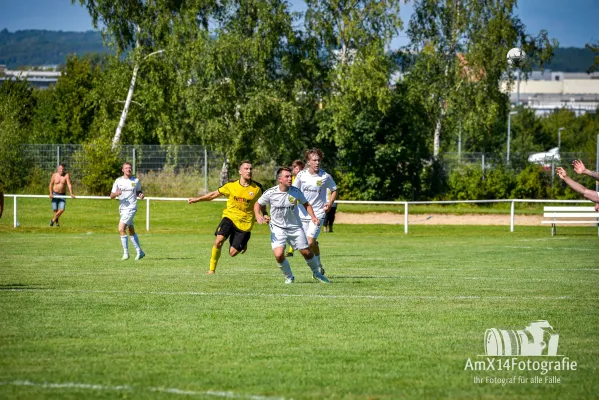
315,296
552,248
73,385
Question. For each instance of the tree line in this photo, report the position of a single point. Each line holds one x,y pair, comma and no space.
252,80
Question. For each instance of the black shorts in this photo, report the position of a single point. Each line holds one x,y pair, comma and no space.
237,238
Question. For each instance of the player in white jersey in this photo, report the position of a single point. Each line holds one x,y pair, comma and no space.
285,225
314,182
128,189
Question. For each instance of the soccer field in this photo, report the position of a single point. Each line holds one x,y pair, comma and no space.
405,316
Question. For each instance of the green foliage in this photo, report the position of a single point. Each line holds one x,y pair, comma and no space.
469,183
101,166
16,104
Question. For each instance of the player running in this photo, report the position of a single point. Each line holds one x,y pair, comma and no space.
285,225
313,183
238,216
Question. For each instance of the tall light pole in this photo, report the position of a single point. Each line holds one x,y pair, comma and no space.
509,132
559,139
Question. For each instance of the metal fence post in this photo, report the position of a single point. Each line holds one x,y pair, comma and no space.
405,224
512,217
148,214
15,221
483,165
205,170
57,155
133,160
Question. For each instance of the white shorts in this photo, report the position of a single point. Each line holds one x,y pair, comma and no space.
296,237
312,230
127,216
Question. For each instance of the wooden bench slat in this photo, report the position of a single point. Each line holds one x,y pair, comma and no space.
560,221
571,215
583,209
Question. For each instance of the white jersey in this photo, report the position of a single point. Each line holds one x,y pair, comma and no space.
283,206
129,189
314,187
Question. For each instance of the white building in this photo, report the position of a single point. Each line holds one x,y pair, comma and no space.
547,91
39,79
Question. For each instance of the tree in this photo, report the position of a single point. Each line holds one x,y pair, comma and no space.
355,89
461,47
240,98
594,47
138,27
73,111
16,110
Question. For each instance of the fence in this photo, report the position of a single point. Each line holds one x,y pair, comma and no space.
405,204
145,159
206,163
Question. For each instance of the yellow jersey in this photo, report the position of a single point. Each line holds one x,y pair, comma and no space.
240,203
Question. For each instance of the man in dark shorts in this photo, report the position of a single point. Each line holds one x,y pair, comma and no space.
238,216
58,183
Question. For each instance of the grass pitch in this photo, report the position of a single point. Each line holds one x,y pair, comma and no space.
400,319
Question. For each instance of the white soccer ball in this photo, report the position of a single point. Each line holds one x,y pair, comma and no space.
516,57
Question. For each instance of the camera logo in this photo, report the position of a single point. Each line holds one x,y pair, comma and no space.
537,339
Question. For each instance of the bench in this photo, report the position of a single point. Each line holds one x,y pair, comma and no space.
570,216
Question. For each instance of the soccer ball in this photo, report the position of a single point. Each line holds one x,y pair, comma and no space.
516,57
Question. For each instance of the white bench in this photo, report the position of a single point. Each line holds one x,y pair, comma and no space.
570,216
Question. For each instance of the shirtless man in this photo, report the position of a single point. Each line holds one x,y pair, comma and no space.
59,180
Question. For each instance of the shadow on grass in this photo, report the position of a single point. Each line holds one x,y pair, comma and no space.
16,286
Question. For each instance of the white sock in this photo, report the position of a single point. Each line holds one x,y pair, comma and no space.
285,268
125,244
313,264
135,241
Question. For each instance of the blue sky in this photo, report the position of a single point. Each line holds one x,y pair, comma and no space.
572,22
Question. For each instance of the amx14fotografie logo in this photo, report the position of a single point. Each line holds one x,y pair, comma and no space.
517,350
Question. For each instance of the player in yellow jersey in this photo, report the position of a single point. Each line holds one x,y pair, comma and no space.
238,216
296,167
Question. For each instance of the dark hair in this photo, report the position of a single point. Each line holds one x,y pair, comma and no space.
244,162
316,151
298,163
281,170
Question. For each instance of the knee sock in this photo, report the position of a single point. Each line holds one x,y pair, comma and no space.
214,258
313,264
125,243
285,268
135,241
317,257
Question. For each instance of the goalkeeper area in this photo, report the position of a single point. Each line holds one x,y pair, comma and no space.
405,316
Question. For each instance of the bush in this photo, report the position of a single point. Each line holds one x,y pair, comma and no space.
468,183
101,166
533,182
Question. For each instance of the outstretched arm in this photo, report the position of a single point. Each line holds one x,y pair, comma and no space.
577,187
206,197
581,169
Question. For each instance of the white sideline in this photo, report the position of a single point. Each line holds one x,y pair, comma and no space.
309,296
405,204
74,385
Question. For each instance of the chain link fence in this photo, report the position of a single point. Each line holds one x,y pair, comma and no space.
199,167
170,164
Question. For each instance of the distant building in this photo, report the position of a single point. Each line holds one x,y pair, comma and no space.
38,79
546,91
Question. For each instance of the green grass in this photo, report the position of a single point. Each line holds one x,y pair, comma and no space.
400,319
